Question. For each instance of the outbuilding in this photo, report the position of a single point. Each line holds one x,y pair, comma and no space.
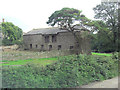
47,39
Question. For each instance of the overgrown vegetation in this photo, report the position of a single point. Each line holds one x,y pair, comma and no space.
68,71
23,55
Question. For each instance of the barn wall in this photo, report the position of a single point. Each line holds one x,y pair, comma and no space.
65,39
34,40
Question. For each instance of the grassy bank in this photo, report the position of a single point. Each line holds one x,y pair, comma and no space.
103,54
25,57
68,71
40,61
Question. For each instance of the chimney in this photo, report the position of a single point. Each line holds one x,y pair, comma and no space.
3,20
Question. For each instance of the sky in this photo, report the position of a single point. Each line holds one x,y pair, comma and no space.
31,14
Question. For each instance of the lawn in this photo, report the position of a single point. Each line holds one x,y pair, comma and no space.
41,61
16,58
103,54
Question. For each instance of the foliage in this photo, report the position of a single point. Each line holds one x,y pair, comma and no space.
116,55
11,34
102,41
66,17
107,37
69,71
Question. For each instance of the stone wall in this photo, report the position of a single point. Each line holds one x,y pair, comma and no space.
65,39
9,48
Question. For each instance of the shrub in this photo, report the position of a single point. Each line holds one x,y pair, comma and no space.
69,71
6,42
18,42
115,55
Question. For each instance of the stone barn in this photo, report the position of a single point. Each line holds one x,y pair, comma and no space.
47,39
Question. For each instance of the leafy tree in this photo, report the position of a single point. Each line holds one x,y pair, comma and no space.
66,19
102,40
108,13
11,33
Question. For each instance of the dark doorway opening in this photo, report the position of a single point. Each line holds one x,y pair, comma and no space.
42,47
30,46
50,47
36,46
59,47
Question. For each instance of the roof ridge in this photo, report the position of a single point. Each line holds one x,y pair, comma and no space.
43,28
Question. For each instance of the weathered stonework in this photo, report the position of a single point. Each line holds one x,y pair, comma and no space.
64,41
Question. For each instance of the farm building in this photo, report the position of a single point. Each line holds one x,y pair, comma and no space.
47,39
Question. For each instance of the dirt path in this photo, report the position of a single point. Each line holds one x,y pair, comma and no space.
111,83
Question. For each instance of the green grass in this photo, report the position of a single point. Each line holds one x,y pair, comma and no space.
41,61
103,54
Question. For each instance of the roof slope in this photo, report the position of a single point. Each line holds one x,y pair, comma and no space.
44,31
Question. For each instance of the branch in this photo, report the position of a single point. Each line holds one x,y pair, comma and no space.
65,29
70,27
75,25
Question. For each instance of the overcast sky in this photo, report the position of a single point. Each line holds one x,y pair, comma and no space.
29,14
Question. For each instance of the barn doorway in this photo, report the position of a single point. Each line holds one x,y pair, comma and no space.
50,47
30,46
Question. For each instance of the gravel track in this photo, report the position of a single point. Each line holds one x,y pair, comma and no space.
110,83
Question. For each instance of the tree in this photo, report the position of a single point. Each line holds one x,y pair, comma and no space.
11,34
66,18
102,40
108,13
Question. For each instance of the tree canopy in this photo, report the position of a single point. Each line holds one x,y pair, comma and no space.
11,33
107,27
108,13
66,18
